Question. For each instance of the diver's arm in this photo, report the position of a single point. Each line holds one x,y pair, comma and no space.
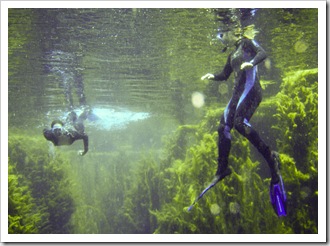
260,53
259,57
225,73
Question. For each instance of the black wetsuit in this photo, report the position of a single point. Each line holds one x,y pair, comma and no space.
66,134
245,100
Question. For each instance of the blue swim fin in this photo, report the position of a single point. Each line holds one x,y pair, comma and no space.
93,117
278,197
216,179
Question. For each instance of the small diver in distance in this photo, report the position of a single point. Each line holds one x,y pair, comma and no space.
66,133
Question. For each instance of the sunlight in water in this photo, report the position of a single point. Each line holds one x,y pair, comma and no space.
108,118
111,118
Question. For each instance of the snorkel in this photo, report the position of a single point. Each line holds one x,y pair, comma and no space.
219,37
229,37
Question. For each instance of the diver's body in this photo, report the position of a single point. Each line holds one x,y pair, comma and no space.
245,100
246,97
67,133
66,66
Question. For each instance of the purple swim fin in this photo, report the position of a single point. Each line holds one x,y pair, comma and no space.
278,197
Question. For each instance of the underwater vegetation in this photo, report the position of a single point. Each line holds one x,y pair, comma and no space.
122,192
119,193
58,193
39,201
240,203
297,110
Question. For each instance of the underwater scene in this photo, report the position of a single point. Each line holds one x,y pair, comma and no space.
119,119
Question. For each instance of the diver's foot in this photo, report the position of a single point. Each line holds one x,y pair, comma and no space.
278,197
86,109
221,176
89,114
277,166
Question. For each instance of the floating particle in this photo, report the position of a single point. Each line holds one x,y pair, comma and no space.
223,89
300,46
305,192
197,99
215,209
234,207
268,63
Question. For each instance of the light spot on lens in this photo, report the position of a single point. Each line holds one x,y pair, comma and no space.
197,99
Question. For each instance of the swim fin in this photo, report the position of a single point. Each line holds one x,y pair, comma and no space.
215,180
278,197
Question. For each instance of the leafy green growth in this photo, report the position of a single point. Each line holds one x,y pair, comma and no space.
240,203
39,201
121,192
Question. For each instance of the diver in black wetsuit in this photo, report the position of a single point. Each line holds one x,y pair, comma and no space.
65,65
66,133
246,97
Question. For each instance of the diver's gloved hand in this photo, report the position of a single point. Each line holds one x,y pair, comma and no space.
246,65
207,76
81,152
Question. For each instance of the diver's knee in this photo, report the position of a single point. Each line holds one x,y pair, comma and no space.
242,126
224,130
239,125
72,116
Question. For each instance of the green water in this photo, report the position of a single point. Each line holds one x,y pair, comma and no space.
153,151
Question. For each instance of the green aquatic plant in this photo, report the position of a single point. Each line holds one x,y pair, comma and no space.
237,198
297,110
22,217
297,114
45,200
107,177
242,199
152,196
142,197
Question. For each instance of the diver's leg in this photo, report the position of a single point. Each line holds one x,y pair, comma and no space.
71,118
79,123
224,145
83,116
243,114
87,111
224,140
67,90
80,89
